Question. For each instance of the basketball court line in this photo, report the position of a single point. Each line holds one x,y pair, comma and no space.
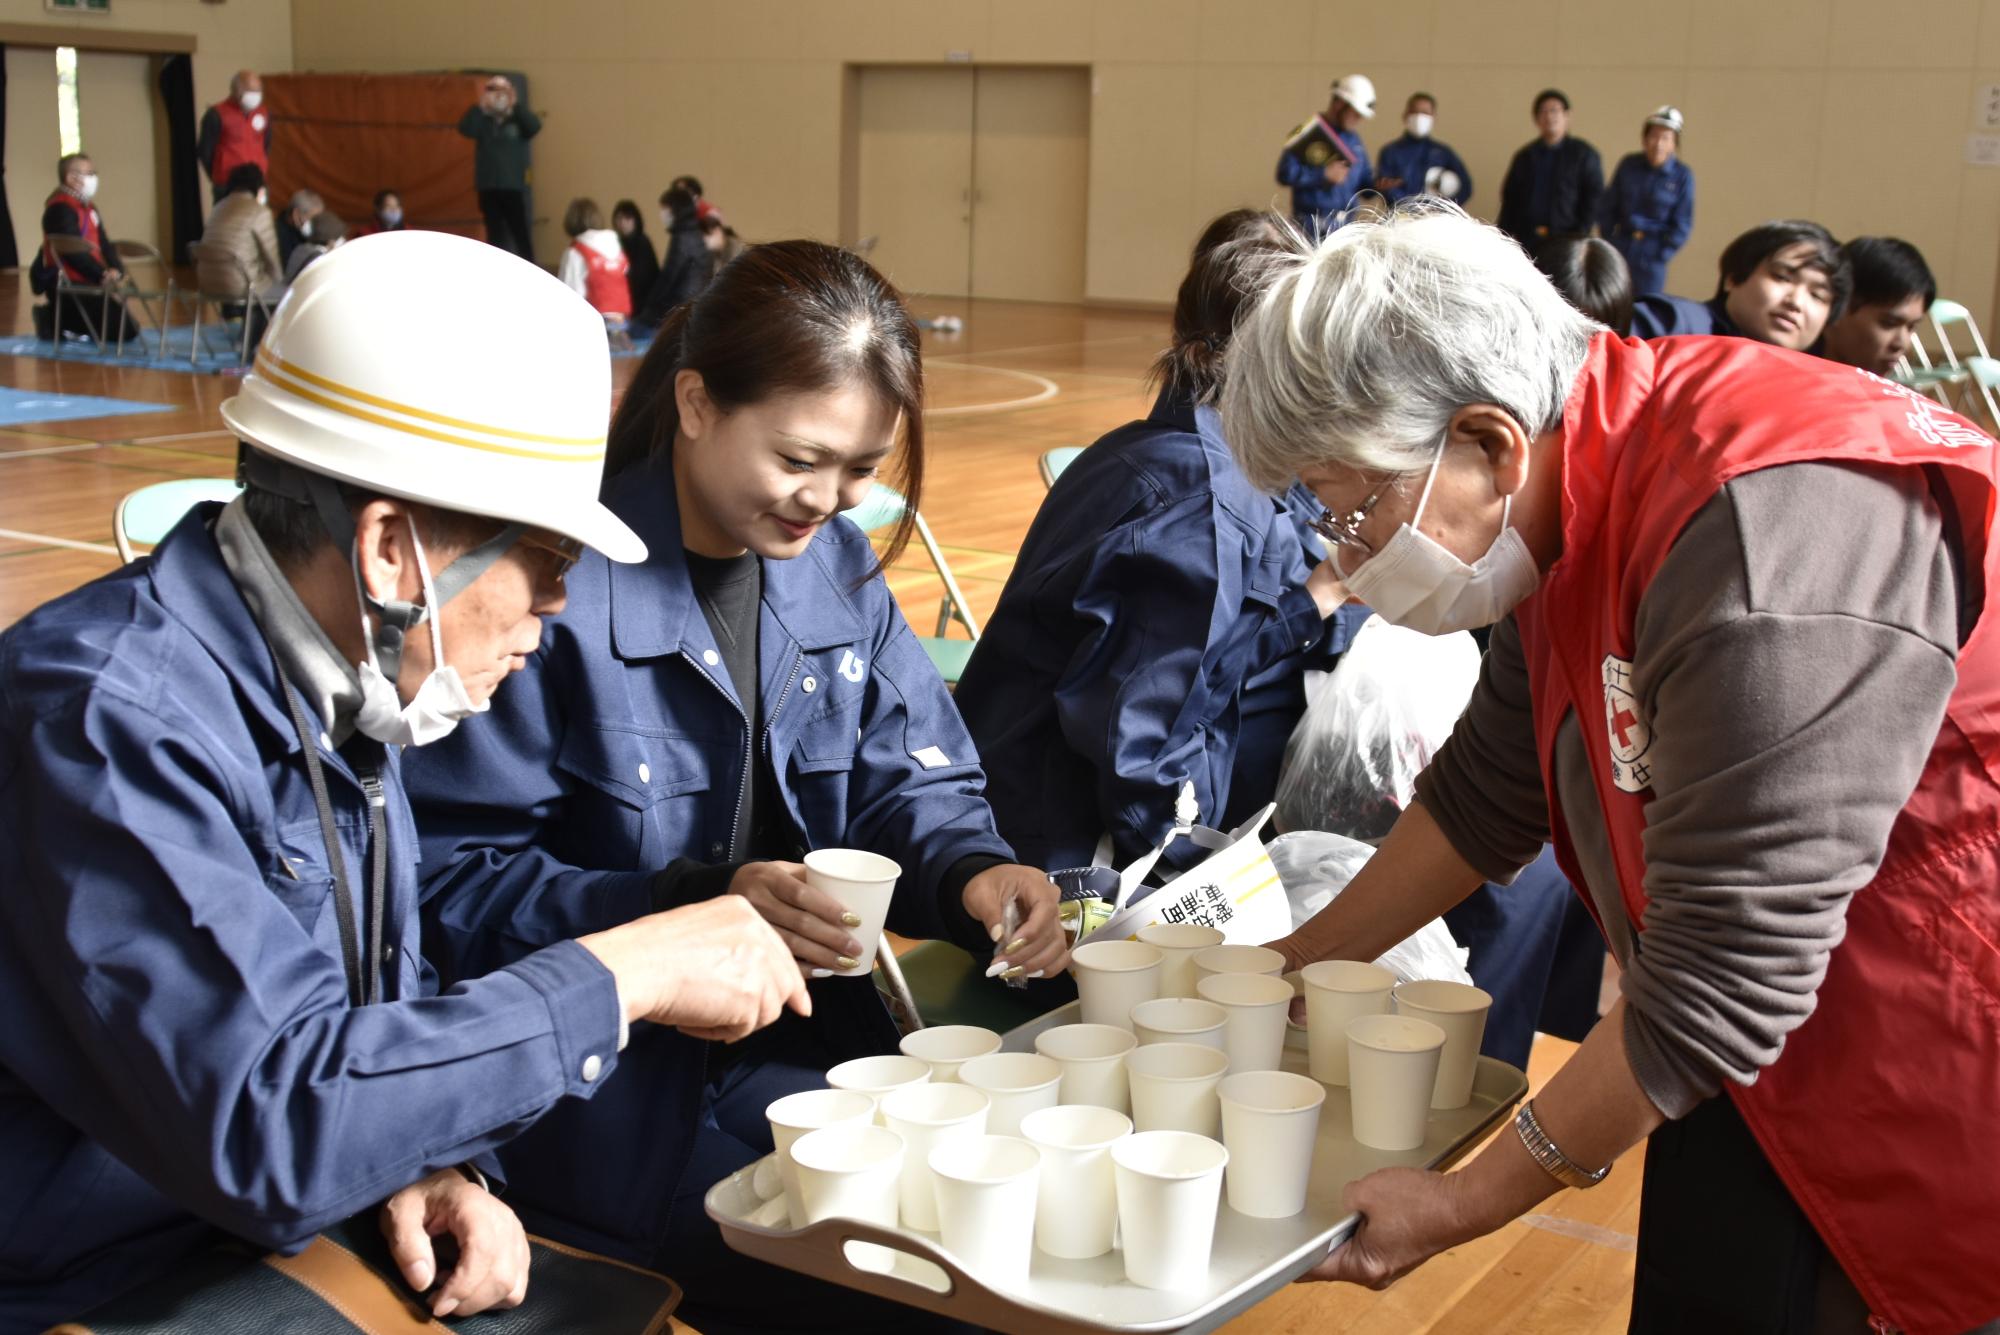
1048,391
48,540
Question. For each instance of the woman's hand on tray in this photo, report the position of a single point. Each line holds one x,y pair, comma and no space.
1408,1215
1038,947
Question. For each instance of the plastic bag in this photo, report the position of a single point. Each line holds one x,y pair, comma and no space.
1370,726
1314,867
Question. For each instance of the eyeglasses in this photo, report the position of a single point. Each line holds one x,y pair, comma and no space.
567,551
1345,530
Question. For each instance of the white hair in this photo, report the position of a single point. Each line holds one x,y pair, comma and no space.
1362,345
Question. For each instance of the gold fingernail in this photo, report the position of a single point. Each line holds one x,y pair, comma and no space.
1015,945
851,919
1012,973
847,962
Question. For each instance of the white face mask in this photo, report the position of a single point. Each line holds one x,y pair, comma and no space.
1416,583
251,100
87,187
264,197
306,229
439,703
1419,123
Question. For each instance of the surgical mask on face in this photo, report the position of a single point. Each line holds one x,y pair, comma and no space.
667,220
251,100
87,187
439,703
1416,583
392,216
263,197
306,229
1419,124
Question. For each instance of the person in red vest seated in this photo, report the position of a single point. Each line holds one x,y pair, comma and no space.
1746,669
235,132
595,264
387,215
72,212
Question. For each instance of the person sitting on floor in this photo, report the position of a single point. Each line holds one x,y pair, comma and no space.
71,212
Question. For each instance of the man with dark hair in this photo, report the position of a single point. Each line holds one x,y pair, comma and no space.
1417,164
1893,290
235,132
1649,209
1324,162
1592,276
1554,183
1780,284
76,243
686,265
502,129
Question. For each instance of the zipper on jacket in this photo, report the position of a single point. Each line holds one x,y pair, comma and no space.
749,756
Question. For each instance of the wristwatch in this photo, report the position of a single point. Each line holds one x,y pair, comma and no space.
1553,1161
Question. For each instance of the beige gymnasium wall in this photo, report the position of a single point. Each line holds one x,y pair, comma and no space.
1854,112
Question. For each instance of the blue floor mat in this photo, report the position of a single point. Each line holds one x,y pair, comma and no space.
217,355
18,407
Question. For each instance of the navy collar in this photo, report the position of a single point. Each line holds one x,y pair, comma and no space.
653,610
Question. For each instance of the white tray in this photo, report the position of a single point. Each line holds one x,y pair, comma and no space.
1253,1258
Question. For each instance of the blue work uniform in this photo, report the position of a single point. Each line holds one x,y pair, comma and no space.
1410,160
1317,203
619,754
1153,633
1647,213
1660,315
180,1055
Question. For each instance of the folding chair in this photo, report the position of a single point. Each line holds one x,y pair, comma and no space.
130,251
222,281
149,514
1054,461
884,508
1979,372
68,295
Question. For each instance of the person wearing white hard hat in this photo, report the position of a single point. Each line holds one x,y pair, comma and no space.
1324,162
1417,163
1553,183
1648,210
220,1017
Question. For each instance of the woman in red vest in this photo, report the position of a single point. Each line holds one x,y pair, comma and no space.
1746,673
595,265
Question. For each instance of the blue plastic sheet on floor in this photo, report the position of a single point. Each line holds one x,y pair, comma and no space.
216,357
18,407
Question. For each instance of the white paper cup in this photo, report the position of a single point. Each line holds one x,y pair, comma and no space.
986,1189
1114,976
1077,1210
1017,1083
851,1172
864,883
1179,941
876,1076
1270,1122
1237,959
1092,1057
795,1115
1169,1184
1392,1065
1180,1020
1173,1087
1460,1010
1256,1006
927,1116
948,1047
1338,991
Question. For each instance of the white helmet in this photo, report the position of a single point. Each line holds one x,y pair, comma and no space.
1667,118
1358,91
364,375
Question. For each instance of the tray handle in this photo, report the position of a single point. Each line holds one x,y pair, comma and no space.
821,1250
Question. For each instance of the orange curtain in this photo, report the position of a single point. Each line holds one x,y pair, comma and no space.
350,135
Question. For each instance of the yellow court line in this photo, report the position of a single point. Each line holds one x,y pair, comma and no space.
272,362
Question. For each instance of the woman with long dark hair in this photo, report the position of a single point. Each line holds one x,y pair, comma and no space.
692,726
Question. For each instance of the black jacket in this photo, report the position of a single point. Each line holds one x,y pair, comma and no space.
642,265
1569,205
683,273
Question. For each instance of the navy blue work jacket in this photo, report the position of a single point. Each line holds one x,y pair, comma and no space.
1157,609
1409,159
179,1054
1660,315
1647,214
1316,202
621,749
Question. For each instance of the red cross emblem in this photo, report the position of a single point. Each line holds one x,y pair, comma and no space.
1630,734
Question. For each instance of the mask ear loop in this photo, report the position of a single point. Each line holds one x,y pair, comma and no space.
430,597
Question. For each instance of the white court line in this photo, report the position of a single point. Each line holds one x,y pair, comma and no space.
185,435
1583,1231
46,540
947,357
52,449
1047,391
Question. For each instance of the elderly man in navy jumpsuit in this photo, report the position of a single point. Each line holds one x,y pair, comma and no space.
1322,192
208,1031
1648,209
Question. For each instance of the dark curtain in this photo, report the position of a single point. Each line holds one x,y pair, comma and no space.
10,255
183,172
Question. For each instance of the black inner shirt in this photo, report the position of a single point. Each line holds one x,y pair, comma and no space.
730,590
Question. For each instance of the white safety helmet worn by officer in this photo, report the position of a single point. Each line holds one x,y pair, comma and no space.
1358,91
354,384
1667,118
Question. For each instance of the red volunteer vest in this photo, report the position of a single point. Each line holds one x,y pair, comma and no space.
604,284
242,140
1882,1115
87,223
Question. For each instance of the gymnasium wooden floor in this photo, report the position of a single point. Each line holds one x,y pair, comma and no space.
1018,381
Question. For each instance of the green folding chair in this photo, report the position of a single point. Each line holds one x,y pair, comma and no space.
1950,378
884,509
145,516
1053,463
